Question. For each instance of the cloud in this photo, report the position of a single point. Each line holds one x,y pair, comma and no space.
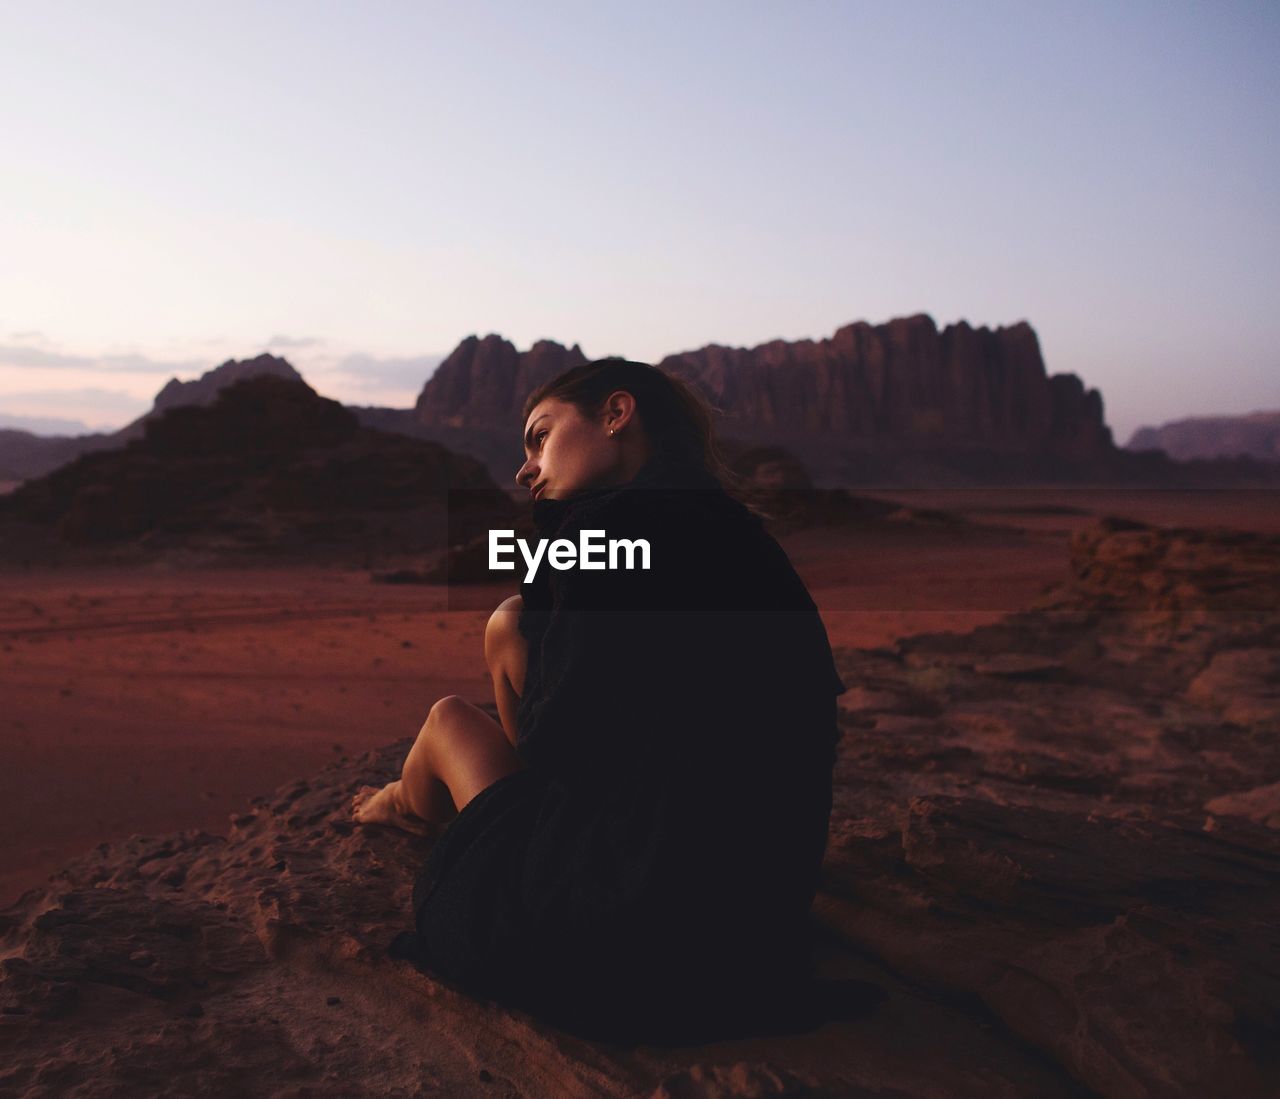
294,341
34,358
44,425
55,411
108,400
369,373
31,334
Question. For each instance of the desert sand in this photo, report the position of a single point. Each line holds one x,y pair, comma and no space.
1051,869
149,700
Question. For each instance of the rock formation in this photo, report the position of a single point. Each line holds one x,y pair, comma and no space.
1070,816
24,456
1054,852
776,483
472,401
902,385
484,382
898,404
1256,435
268,469
852,406
905,386
891,405
204,390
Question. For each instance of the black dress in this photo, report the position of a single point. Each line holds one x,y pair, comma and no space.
654,862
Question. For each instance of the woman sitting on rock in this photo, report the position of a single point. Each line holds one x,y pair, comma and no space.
634,849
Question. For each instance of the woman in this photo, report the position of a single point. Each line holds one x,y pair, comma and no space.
636,845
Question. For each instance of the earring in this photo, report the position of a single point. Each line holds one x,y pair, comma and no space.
610,431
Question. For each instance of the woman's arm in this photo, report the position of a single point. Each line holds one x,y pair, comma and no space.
506,654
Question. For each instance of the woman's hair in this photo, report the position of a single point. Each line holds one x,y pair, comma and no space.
677,418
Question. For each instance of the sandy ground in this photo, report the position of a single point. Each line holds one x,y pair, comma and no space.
149,701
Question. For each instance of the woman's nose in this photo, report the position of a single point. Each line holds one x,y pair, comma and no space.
525,474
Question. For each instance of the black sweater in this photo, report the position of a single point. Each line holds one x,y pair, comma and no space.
625,666
678,724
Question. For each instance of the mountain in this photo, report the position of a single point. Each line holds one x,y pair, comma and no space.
472,401
205,389
905,386
1256,435
44,425
24,455
889,399
268,469
867,401
899,404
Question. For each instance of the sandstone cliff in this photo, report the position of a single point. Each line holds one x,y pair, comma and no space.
901,385
904,386
852,406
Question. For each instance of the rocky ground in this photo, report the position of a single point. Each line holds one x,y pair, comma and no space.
1053,870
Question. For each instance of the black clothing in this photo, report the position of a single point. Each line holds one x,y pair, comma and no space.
659,853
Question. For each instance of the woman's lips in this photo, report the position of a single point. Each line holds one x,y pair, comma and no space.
538,489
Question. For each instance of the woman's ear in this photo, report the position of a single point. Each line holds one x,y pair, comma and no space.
619,408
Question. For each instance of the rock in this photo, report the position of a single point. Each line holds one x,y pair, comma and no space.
1261,804
268,469
24,456
1048,778
1256,434
1060,877
778,486
205,389
295,987
850,406
1019,666
483,382
904,385
1243,685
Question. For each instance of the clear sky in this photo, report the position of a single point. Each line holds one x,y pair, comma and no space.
360,186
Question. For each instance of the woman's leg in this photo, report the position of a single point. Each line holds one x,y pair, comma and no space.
460,751
506,653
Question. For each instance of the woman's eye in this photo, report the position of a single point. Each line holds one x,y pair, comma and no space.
541,435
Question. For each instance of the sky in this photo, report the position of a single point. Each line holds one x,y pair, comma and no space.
360,186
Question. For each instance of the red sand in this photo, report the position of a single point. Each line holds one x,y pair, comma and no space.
150,701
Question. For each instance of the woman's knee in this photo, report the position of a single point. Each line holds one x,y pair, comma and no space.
503,641
503,626
464,747
444,713
442,717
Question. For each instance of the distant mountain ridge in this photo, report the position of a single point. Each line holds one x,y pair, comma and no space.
870,400
45,425
266,469
902,384
205,389
1255,434
899,404
24,455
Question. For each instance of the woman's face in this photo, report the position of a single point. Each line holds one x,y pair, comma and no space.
567,451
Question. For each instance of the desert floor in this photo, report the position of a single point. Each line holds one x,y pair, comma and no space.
154,700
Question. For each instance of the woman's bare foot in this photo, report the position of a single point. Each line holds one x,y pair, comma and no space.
372,805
